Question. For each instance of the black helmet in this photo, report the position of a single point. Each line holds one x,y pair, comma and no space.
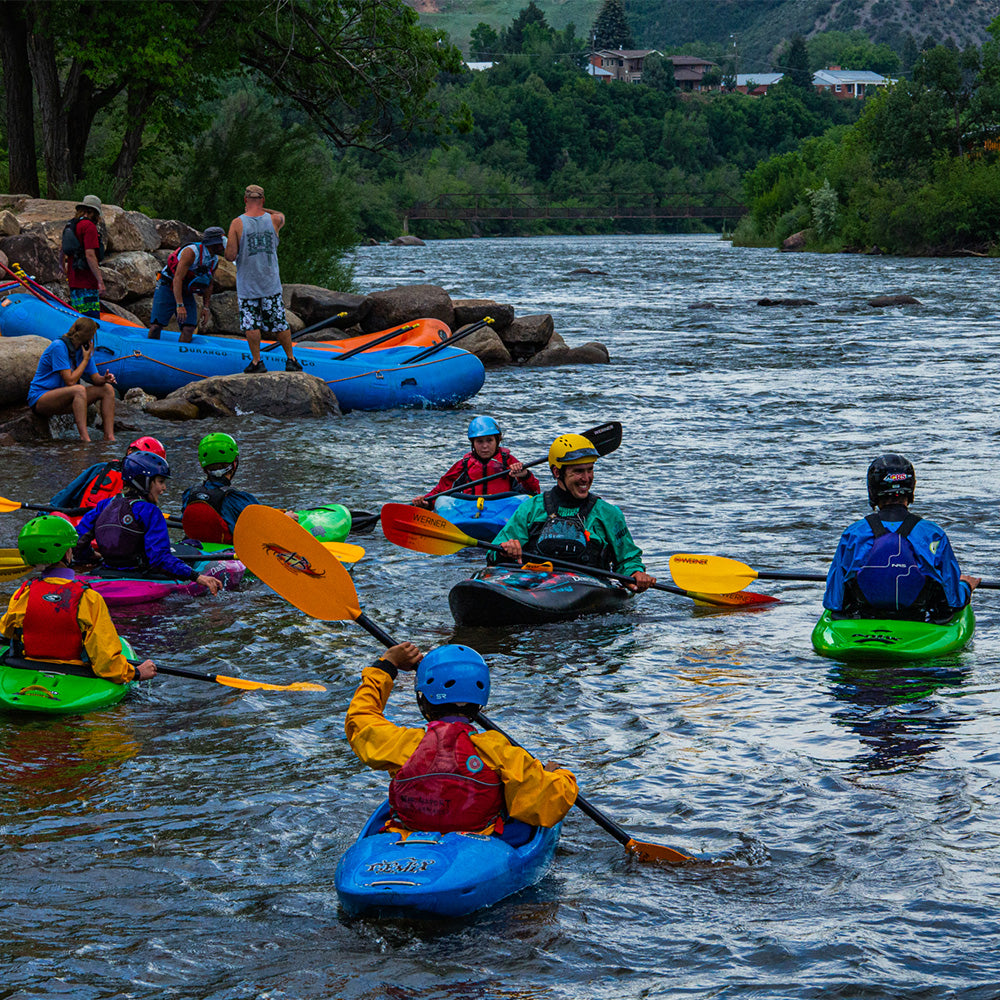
890,476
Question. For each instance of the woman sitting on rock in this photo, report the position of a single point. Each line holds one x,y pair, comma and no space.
57,386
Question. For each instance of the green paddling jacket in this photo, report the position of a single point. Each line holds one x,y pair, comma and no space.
604,522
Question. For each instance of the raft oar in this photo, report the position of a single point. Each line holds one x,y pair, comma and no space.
461,335
604,437
329,321
424,531
234,682
361,348
292,564
717,574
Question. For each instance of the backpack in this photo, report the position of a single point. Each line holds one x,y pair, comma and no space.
199,275
73,248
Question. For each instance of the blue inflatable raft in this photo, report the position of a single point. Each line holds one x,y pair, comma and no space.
375,380
481,517
439,874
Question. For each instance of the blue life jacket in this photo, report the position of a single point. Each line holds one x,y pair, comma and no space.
199,274
891,578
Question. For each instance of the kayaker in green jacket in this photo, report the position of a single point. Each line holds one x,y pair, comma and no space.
571,523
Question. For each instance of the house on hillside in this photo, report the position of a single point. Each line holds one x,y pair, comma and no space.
756,84
847,83
689,72
621,64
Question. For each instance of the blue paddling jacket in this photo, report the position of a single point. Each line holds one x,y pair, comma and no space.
930,546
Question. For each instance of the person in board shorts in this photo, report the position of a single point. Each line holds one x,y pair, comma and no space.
892,563
571,523
187,272
253,245
446,777
485,459
56,619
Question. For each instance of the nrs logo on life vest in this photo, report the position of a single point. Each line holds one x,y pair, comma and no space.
405,866
293,561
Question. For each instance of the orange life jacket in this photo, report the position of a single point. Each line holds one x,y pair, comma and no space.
108,484
204,523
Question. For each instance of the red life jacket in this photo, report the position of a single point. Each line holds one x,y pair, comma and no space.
204,523
473,467
51,628
108,484
446,786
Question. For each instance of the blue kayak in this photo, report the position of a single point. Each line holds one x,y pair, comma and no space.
481,517
439,874
375,380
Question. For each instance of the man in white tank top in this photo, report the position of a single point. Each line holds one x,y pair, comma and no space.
253,245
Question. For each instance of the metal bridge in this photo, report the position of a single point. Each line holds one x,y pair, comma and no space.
646,205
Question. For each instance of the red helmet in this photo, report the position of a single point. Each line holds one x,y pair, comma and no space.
147,444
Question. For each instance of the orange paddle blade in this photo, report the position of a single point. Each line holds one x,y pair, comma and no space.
422,530
6,506
295,565
738,599
657,853
244,684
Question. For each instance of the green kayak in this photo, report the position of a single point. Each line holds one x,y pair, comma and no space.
51,693
331,523
875,639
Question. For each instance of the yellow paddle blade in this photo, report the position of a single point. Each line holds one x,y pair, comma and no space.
657,853
6,506
710,574
344,551
279,551
422,530
242,682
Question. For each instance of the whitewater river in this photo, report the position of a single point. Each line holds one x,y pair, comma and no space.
183,844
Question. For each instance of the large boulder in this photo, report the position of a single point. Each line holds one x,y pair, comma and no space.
274,394
527,335
225,312
225,275
3,259
487,346
121,233
407,241
18,363
136,270
146,229
121,312
592,353
313,304
894,300
172,409
20,426
395,306
473,310
34,253
174,234
15,202
9,226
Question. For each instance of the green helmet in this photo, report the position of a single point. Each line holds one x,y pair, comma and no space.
45,540
217,449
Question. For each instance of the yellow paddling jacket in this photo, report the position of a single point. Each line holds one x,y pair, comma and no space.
532,794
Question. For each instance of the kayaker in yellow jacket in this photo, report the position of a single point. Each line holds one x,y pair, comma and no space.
446,777
54,618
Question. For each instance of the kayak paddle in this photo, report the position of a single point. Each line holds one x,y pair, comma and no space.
7,506
234,682
713,574
605,438
292,565
447,342
322,324
424,531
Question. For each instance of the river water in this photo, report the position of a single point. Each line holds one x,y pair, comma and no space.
183,844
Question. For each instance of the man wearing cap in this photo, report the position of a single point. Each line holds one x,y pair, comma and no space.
253,245
82,251
187,272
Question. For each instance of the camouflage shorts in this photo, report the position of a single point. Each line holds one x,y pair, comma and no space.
266,315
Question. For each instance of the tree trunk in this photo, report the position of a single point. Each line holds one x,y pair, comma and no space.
42,57
140,100
20,109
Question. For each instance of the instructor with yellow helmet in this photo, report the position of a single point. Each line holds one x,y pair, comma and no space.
569,522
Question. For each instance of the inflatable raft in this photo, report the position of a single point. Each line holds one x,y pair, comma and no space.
381,379
439,874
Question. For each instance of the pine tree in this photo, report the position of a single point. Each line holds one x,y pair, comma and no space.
611,30
796,63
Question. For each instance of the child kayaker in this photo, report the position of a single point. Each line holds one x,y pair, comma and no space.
892,563
211,510
54,618
446,777
130,529
485,459
103,479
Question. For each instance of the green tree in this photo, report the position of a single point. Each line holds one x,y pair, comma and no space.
484,42
794,63
512,38
658,73
610,29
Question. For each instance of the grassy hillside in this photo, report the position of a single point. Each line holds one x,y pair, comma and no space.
757,24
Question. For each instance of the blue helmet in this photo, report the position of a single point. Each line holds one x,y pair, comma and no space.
454,674
481,427
139,469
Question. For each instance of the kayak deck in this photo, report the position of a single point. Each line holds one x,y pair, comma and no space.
510,595
480,517
876,639
439,874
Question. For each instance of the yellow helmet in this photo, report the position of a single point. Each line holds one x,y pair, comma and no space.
572,449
